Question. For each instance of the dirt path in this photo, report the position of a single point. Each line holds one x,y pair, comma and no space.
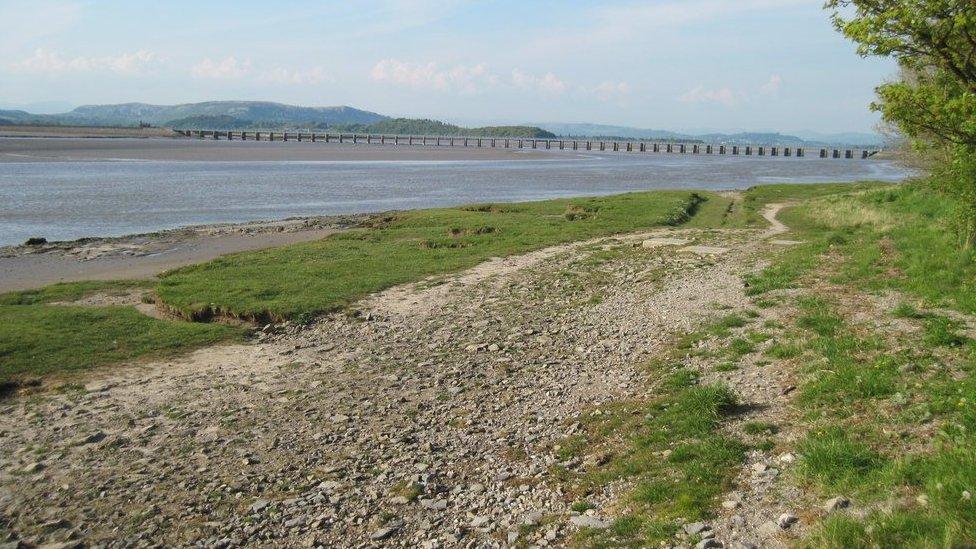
428,419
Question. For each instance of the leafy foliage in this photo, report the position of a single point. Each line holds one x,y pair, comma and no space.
934,102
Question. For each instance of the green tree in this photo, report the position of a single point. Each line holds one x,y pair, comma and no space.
934,101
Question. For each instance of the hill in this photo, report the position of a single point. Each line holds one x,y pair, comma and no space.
257,113
414,126
752,138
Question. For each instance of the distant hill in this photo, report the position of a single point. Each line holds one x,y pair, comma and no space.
604,130
240,115
210,122
752,138
415,126
259,113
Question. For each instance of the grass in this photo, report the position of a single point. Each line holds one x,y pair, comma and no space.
891,419
673,451
38,338
304,280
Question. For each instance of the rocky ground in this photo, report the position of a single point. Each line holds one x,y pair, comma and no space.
427,416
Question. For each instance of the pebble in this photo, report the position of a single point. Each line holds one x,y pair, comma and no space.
383,533
837,503
586,521
786,520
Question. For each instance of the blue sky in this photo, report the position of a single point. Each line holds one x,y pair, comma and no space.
667,64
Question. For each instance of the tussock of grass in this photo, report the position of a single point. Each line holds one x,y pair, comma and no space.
834,461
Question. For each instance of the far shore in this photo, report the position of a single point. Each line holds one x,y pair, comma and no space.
38,148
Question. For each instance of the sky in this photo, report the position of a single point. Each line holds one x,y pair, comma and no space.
685,65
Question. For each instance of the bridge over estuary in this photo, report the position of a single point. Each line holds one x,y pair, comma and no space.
631,146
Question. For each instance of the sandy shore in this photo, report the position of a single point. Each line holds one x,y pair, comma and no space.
37,149
145,256
83,131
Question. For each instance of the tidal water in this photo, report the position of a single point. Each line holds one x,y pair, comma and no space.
66,200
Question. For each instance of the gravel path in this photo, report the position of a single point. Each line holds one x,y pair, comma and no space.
426,417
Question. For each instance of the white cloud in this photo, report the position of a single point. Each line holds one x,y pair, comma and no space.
232,68
611,91
313,75
633,22
700,94
772,86
548,83
228,68
47,62
429,76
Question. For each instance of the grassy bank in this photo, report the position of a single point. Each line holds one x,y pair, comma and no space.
304,280
888,375
42,333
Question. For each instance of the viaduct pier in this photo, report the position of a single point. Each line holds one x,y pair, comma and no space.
531,143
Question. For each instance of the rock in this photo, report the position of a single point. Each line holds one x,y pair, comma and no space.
586,521
74,544
787,457
694,528
730,504
743,545
35,241
759,467
513,536
967,495
786,520
434,504
259,505
58,524
707,543
97,436
477,488
533,518
384,532
922,500
837,503
33,467
480,521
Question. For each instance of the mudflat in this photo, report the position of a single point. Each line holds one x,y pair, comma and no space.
54,149
147,255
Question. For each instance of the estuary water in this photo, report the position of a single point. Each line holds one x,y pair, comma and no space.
66,199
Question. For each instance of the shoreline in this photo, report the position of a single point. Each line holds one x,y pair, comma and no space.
144,256
74,148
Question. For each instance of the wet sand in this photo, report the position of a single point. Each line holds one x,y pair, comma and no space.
39,149
146,256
